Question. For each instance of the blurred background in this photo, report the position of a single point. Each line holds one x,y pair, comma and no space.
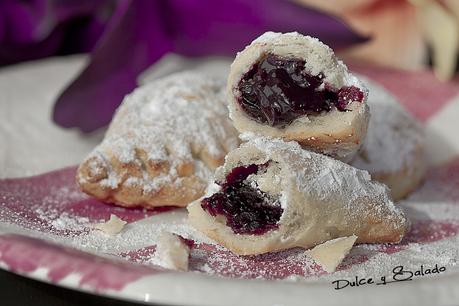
405,34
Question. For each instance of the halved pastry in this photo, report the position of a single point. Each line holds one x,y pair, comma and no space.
163,144
393,151
272,195
293,87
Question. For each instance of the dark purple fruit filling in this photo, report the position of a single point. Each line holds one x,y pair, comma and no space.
247,209
278,90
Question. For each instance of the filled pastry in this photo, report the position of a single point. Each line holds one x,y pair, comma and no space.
272,195
293,87
163,144
393,151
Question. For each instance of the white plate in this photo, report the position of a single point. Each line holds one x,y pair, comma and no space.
45,222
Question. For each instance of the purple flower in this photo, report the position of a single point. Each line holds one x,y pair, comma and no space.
140,32
37,28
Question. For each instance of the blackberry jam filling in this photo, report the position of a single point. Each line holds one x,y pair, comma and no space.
278,90
247,209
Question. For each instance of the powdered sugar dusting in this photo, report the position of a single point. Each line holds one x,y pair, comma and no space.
330,179
270,36
181,119
393,135
319,58
432,239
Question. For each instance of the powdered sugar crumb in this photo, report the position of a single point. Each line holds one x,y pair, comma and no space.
63,221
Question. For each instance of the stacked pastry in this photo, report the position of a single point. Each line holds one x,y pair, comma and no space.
301,111
301,115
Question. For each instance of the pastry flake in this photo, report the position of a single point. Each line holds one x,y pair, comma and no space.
293,87
331,253
113,226
272,195
163,144
172,252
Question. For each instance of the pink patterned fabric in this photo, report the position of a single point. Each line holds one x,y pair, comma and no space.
23,196
23,255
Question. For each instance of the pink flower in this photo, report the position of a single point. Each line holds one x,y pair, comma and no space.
402,31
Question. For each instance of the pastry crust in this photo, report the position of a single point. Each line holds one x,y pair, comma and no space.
163,144
393,151
321,197
335,133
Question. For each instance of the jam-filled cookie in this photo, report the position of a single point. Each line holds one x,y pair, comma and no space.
293,87
163,144
393,151
272,195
